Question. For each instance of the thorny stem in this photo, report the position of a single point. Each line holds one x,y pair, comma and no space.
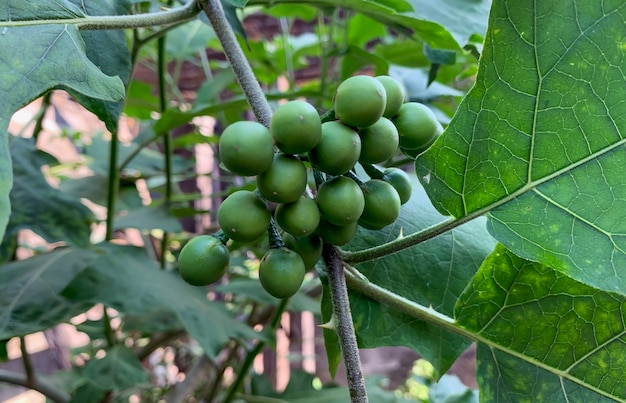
343,324
247,80
408,241
184,13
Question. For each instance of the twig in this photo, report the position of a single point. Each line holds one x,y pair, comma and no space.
343,324
175,15
31,378
41,386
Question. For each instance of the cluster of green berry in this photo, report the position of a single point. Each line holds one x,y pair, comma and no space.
371,122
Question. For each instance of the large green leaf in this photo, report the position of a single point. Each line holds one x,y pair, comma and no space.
538,142
125,279
36,59
30,291
108,50
433,273
49,212
543,336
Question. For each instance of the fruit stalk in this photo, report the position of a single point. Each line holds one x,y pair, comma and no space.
343,324
247,80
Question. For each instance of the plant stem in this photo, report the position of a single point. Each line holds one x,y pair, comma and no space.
167,138
245,367
247,80
276,241
410,240
184,13
355,281
343,324
39,117
50,391
28,364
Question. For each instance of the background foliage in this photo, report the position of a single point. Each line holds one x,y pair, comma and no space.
535,147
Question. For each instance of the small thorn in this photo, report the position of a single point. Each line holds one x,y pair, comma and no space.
330,325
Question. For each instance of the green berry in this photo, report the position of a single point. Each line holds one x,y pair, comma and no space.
281,272
401,181
246,148
360,101
338,150
340,200
296,127
203,260
284,181
395,95
382,204
417,125
379,142
243,216
299,218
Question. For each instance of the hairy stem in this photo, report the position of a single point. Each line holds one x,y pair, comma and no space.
184,13
343,324
355,281
50,391
247,80
410,240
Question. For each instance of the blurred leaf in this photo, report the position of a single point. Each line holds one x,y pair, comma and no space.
567,344
146,163
210,90
108,50
188,39
30,291
450,389
538,143
118,370
92,328
437,56
402,52
355,59
416,83
153,322
147,218
459,18
140,101
433,273
47,211
301,11
237,3
251,288
362,29
94,188
443,24
125,279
